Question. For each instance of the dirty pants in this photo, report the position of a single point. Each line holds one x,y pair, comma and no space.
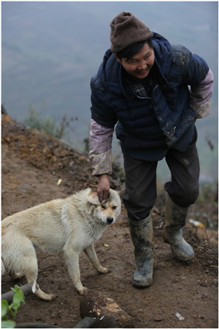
141,186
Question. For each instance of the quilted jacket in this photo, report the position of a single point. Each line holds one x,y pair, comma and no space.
147,127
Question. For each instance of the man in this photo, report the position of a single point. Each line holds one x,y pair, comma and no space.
153,92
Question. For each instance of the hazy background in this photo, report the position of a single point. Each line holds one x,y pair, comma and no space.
50,50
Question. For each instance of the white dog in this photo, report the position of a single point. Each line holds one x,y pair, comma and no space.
72,225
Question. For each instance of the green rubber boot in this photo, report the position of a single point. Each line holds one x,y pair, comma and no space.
142,238
175,220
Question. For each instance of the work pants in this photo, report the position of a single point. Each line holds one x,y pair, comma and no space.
141,183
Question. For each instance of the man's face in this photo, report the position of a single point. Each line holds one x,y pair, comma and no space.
140,64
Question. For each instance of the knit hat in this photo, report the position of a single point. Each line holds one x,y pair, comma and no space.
127,29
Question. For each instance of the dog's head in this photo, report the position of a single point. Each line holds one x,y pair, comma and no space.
107,211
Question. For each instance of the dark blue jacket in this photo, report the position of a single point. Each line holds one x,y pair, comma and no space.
148,127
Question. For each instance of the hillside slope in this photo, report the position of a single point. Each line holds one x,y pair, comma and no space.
32,164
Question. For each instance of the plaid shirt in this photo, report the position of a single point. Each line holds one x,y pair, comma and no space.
141,89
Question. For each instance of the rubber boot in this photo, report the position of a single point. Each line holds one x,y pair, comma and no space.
173,234
142,238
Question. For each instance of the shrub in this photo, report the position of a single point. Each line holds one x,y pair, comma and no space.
10,311
48,124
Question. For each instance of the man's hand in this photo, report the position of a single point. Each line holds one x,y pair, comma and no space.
103,188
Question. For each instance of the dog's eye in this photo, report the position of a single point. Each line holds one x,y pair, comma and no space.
114,207
102,206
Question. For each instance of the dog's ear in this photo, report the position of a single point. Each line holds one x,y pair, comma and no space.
93,198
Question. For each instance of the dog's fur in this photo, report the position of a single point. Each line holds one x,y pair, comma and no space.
70,225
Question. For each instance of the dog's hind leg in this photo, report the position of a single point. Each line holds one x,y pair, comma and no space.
19,258
92,256
31,273
41,294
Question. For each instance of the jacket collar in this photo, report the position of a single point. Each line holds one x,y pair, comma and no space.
112,73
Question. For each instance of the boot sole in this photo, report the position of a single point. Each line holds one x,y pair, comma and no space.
187,259
141,285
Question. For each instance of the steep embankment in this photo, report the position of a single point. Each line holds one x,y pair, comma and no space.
32,165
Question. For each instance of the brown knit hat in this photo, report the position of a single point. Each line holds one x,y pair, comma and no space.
127,29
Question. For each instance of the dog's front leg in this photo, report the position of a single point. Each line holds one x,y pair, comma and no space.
72,262
92,256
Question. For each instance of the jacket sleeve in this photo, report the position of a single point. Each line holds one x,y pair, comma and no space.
101,111
199,77
200,96
103,120
100,148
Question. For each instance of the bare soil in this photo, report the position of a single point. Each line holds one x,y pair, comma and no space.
32,164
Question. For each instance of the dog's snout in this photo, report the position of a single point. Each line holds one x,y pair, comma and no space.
109,220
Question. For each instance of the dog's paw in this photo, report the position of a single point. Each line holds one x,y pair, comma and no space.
48,297
51,297
83,291
104,270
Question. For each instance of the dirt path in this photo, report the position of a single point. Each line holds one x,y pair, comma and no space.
32,164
